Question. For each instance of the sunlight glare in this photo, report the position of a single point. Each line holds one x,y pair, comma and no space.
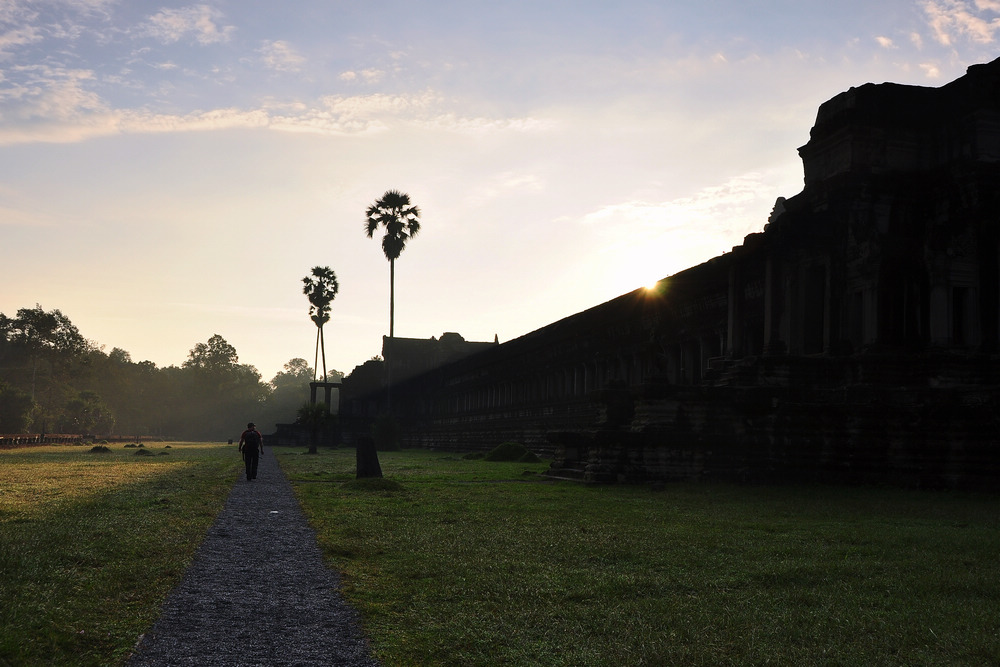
655,287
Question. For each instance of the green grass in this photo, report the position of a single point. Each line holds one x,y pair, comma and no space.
92,542
462,562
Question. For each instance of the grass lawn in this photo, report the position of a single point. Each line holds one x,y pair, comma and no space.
458,562
91,543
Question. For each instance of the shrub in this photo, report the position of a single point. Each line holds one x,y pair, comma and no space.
509,451
99,449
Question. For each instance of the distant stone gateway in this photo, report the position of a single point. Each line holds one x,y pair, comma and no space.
854,339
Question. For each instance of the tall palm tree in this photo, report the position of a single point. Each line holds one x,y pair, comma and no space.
401,221
321,289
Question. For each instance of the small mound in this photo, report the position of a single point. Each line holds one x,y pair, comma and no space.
509,451
144,452
374,484
99,449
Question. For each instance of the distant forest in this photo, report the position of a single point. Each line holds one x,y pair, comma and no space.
53,380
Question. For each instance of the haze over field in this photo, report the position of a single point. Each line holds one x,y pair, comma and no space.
172,170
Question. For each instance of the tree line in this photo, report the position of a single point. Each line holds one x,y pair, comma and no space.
53,380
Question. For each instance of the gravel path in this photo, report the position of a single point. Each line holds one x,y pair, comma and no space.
258,592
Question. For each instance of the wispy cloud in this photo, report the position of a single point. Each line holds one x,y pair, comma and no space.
280,56
200,22
726,207
378,105
45,104
18,37
366,75
33,92
136,122
931,70
950,20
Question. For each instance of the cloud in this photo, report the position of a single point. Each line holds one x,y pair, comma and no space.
729,206
952,19
504,184
85,6
358,114
137,122
279,55
379,104
370,75
200,21
931,70
452,122
18,37
45,104
884,42
42,92
12,12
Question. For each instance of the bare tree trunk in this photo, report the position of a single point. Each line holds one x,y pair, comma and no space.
392,295
392,319
316,358
322,347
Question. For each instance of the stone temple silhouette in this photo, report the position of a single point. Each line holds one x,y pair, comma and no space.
853,339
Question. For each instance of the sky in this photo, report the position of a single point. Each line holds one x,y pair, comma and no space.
170,171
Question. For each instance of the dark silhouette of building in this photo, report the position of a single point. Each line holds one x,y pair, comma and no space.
853,339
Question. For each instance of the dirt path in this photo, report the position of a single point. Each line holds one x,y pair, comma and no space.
258,592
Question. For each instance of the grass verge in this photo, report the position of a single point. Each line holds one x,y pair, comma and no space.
92,542
462,562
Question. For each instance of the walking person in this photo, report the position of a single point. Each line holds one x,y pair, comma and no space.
252,446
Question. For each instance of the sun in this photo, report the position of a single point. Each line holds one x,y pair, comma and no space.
654,287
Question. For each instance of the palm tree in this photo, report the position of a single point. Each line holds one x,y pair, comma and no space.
400,219
321,289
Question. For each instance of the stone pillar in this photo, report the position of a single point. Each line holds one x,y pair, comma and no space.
328,388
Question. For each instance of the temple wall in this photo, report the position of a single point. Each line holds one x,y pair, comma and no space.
854,339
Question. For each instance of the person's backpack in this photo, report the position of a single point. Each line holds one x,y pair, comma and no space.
251,442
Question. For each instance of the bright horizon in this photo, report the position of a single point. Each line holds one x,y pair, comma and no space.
171,171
